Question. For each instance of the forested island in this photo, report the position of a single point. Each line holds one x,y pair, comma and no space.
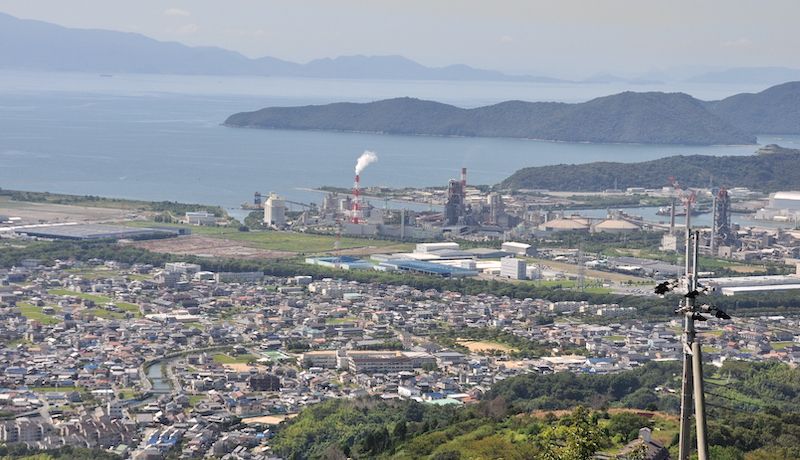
765,172
629,117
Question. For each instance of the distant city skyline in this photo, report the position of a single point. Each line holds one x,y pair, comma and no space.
573,38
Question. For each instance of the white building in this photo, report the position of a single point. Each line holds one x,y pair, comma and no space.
430,247
238,277
521,249
201,218
182,267
274,211
511,267
783,206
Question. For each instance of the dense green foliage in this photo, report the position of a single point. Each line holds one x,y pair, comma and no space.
766,173
653,118
501,422
634,389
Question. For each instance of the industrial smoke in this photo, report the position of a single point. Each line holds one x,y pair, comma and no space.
365,160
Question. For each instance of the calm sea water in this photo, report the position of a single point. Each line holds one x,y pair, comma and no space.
160,137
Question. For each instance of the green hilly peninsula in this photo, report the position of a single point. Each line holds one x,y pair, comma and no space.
629,117
773,168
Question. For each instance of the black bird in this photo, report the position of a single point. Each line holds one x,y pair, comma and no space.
662,288
722,315
699,317
692,294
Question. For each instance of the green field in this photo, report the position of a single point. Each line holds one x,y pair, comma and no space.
92,273
101,300
81,295
194,400
106,314
54,389
778,346
340,320
286,241
615,338
129,307
223,358
34,313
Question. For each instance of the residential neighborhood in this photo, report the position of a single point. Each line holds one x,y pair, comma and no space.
148,361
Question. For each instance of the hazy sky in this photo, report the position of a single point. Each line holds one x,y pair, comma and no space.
558,37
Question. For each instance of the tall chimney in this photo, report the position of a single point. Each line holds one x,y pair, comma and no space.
356,211
672,218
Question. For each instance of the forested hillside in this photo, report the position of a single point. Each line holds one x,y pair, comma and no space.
766,173
754,413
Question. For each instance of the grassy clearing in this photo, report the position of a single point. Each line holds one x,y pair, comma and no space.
597,290
285,241
34,313
565,284
194,400
597,274
223,358
54,389
105,314
344,320
101,300
130,308
778,346
615,338
81,295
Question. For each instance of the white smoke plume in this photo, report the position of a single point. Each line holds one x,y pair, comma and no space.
365,160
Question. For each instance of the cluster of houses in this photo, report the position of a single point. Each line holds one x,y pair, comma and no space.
147,361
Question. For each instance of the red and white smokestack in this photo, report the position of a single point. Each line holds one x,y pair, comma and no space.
356,211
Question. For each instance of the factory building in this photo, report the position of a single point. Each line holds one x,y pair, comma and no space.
785,200
455,208
343,262
520,249
752,284
783,206
616,226
238,277
96,232
274,211
431,247
723,236
572,224
513,268
425,268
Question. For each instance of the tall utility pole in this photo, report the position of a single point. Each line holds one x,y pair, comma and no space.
692,359
692,379
688,339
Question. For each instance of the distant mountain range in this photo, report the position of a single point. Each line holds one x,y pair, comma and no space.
651,118
36,45
764,172
41,46
748,75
